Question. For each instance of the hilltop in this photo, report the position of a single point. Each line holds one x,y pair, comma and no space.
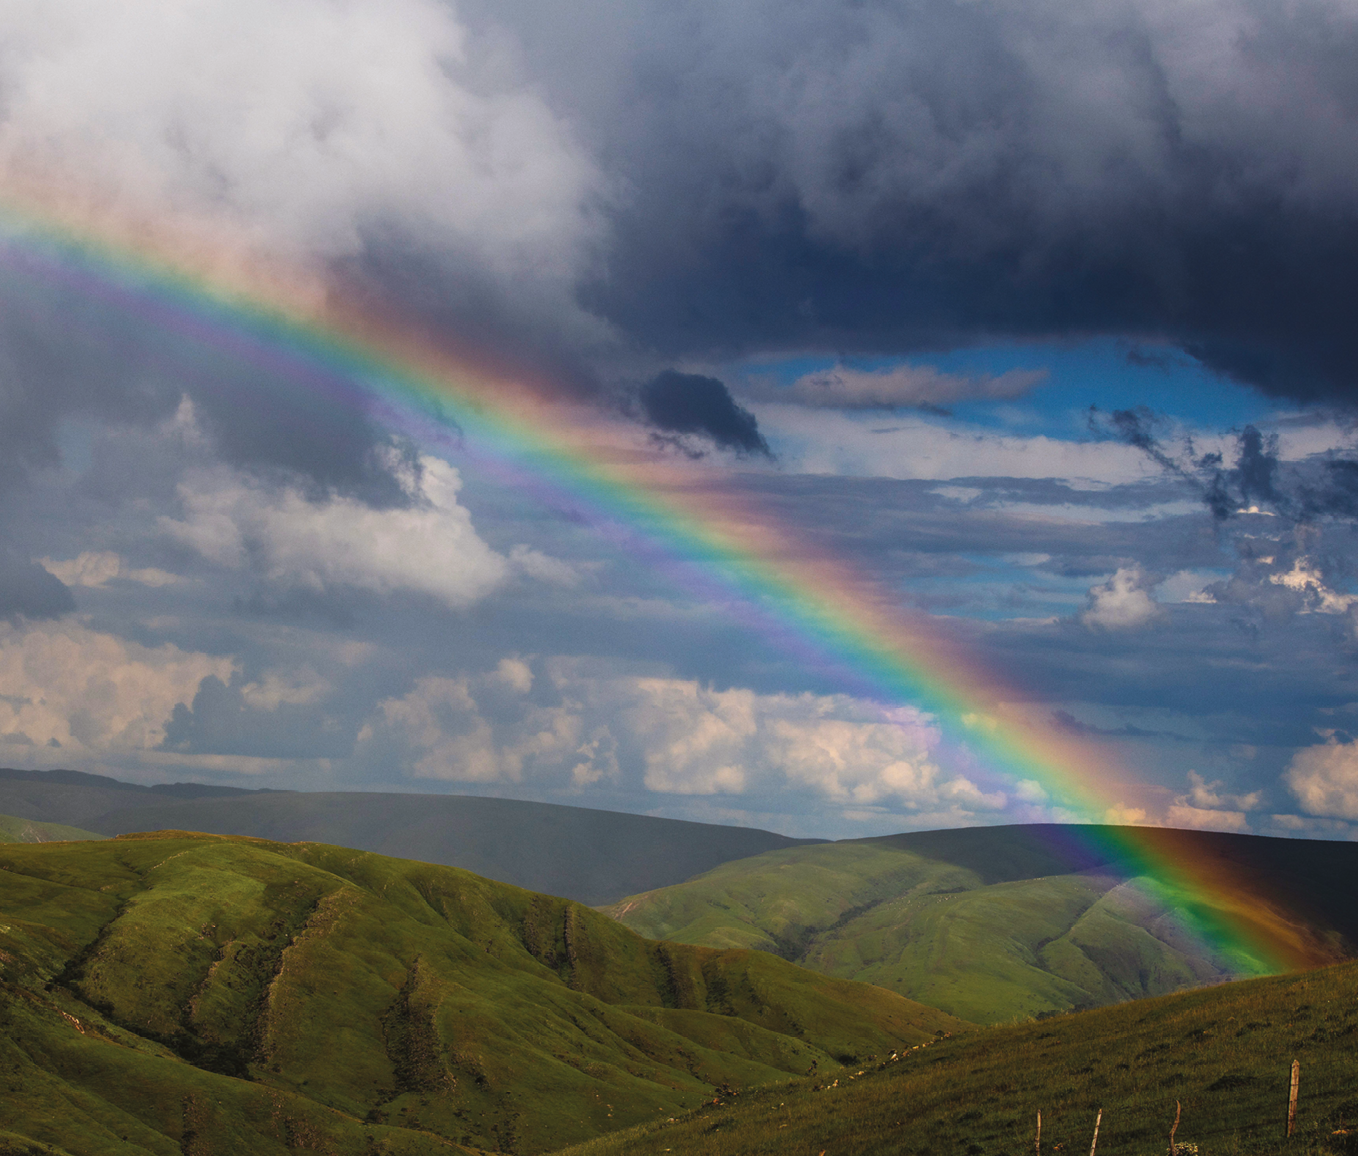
196,993
998,923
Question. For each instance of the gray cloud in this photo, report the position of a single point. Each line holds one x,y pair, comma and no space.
29,591
689,403
925,173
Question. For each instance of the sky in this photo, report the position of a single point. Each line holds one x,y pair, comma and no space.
1036,317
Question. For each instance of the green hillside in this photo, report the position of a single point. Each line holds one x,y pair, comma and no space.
1222,1054
16,830
196,994
991,924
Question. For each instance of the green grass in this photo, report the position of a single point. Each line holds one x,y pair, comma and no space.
200,994
982,923
1222,1053
16,830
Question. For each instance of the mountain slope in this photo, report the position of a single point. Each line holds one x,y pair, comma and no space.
584,854
994,924
1219,1058
178,993
74,797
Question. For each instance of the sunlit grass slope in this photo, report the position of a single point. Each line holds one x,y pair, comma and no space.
16,830
990,924
1223,1053
201,994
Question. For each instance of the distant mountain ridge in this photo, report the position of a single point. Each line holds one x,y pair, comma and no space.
591,856
103,782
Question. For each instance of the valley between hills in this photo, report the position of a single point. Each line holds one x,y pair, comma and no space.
196,993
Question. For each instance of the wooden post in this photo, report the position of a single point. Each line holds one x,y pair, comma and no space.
1292,1097
1177,1109
1095,1142
1037,1143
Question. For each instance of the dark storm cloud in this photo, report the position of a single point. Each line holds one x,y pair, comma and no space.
910,175
688,403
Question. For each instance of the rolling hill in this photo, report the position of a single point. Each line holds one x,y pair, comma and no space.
994,924
177,993
1220,1058
588,855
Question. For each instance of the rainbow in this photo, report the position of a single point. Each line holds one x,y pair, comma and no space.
670,512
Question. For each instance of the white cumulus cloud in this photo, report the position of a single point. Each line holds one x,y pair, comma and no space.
672,736
298,130
1121,603
70,691
429,547
1324,779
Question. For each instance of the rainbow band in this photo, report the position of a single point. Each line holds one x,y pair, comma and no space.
815,606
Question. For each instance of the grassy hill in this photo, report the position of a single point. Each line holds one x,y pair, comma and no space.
1222,1054
16,830
993,924
584,854
197,994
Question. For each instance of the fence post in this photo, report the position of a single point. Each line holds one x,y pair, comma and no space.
1292,1097
1177,1109
1095,1142
1037,1143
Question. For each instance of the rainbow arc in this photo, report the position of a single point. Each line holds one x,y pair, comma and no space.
684,516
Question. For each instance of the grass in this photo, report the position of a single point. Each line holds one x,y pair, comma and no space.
16,830
991,925
1222,1053
198,994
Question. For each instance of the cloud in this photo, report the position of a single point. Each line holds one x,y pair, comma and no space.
442,729
820,441
669,736
1306,579
688,403
912,176
1324,779
29,591
95,568
294,540
1202,819
695,177
1124,602
901,386
1209,796
273,719
338,120
87,694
